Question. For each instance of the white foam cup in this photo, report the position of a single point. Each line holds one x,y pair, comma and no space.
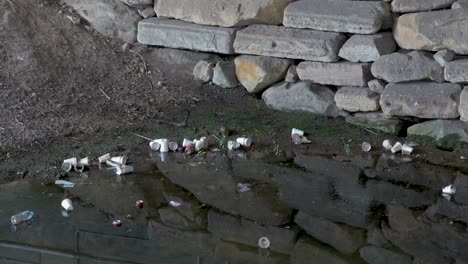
406,149
67,166
120,159
233,145
104,158
173,146
297,131
72,161
154,145
199,145
396,148
67,205
164,146
84,161
246,142
124,169
79,167
366,147
387,144
186,142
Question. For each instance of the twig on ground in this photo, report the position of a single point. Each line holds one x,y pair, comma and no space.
141,136
370,131
144,67
105,94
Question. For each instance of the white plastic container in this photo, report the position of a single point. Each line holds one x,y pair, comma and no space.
120,159
186,142
22,217
72,161
449,189
173,146
67,204
406,149
397,147
84,161
154,145
164,146
246,142
104,158
233,145
297,131
124,169
387,144
366,147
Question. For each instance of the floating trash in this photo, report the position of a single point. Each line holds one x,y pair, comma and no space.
297,132
104,158
264,242
124,169
233,145
67,204
65,184
112,164
246,142
406,149
72,161
22,217
366,147
174,204
396,148
387,144
79,167
84,161
122,160
117,223
449,189
139,204
67,166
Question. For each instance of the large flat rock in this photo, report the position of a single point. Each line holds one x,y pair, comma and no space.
338,16
290,43
109,17
223,13
377,121
357,99
339,73
421,99
439,129
457,71
367,48
302,96
433,31
184,35
414,66
410,6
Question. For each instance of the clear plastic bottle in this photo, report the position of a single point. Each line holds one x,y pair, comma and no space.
21,217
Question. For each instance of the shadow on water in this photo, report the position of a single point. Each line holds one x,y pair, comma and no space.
369,208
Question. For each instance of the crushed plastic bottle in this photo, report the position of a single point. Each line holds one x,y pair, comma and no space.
22,217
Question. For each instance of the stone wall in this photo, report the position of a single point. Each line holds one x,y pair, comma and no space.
374,62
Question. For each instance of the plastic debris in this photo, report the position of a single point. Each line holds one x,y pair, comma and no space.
112,164
246,142
154,145
174,204
84,161
387,144
396,148
67,166
366,147
297,137
104,158
406,149
120,160
79,167
67,205
233,145
22,217
72,161
124,169
264,242
186,142
66,184
304,140
449,189
297,131
117,223
139,204
244,187
173,146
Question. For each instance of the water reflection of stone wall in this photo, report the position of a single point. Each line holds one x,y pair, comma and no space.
331,211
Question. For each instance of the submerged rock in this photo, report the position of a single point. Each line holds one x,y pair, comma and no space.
377,121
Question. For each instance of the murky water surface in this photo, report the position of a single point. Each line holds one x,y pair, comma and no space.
324,209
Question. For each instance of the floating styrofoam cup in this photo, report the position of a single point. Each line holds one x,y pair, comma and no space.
120,159
104,158
163,156
199,145
79,167
246,142
264,242
233,145
72,161
297,131
173,146
190,149
124,169
84,161
112,163
67,166
449,189
387,144
164,146
396,148
154,145
366,147
186,142
406,149
67,205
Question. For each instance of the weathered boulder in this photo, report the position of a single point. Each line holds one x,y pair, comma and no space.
338,16
375,255
138,3
421,99
203,71
342,237
256,73
109,17
414,66
302,96
377,121
146,12
182,35
224,13
306,250
357,99
290,43
439,129
248,232
367,48
433,31
410,6
291,74
224,75
460,4
377,86
463,107
444,56
339,73
457,71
